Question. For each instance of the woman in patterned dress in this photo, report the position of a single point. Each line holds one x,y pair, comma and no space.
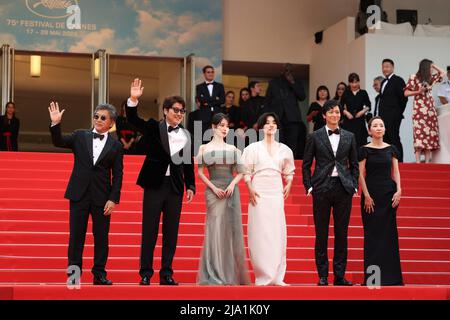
425,123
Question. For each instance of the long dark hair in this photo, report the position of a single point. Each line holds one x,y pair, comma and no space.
241,102
5,118
424,73
336,97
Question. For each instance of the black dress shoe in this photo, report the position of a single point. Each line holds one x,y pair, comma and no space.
145,281
323,281
342,282
102,281
167,281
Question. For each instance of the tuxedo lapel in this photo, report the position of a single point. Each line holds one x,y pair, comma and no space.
164,136
106,148
326,140
88,139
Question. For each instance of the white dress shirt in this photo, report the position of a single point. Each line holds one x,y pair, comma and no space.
386,82
444,90
98,145
177,141
334,140
210,87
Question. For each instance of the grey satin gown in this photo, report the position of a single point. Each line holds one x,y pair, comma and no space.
223,258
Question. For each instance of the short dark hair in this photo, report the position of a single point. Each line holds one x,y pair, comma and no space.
252,84
322,87
170,101
448,68
388,60
108,107
228,92
353,77
330,104
207,67
369,124
263,118
218,117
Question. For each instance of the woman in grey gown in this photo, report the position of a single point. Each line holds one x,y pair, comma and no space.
223,259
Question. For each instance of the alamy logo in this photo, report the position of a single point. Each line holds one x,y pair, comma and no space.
374,20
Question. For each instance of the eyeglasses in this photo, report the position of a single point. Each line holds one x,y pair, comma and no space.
103,118
177,111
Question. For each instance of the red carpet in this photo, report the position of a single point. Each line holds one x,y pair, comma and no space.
34,237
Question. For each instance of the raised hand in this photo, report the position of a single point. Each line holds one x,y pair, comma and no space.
55,114
136,89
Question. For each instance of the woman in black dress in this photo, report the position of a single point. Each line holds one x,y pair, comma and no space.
9,129
315,110
381,191
231,110
356,104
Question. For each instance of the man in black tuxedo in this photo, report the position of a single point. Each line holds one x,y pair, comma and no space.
281,97
392,105
90,190
377,87
168,166
211,95
333,184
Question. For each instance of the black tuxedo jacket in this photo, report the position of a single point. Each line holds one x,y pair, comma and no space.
158,156
318,147
392,100
87,176
282,97
206,100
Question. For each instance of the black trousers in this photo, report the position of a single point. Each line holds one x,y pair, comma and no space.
79,217
392,135
167,201
293,134
341,203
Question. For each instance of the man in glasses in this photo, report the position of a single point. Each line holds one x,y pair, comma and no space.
97,157
168,167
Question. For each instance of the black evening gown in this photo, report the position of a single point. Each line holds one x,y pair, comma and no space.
354,104
318,119
381,246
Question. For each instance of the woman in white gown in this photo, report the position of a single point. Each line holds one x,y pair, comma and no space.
267,162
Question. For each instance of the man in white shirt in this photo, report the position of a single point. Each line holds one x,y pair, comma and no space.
98,158
444,89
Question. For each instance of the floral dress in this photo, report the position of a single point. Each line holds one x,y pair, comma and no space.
425,122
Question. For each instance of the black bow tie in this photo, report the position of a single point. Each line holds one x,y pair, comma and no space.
170,129
97,135
336,131
210,83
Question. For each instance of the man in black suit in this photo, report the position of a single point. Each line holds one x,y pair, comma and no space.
377,87
281,97
332,185
90,190
168,166
211,95
392,105
254,107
